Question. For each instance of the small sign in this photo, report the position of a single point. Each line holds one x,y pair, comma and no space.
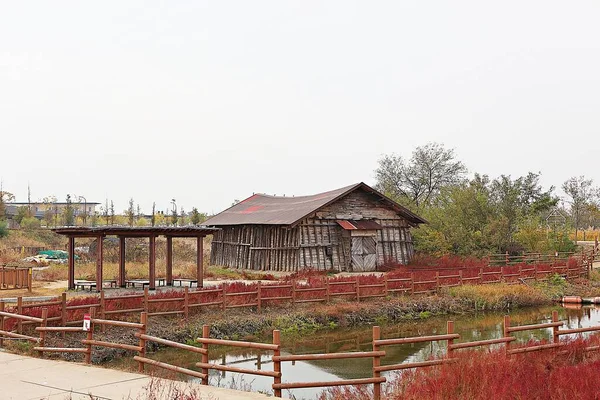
87,321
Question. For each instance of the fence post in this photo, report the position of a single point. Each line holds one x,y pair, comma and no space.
449,331
223,298
43,333
385,284
502,278
277,363
102,310
293,291
90,337
20,312
29,279
146,299
142,342
63,310
506,332
480,275
186,302
376,363
555,335
506,258
205,335
1,323
412,283
357,290
327,290
460,277
258,299
437,281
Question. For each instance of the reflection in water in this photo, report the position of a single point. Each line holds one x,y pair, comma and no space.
470,328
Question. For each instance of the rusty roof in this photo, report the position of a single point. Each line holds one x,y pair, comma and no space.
351,225
261,209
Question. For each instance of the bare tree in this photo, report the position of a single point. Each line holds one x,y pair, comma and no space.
112,213
130,212
153,218
581,193
419,181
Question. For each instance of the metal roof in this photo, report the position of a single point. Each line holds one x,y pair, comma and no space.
261,209
351,225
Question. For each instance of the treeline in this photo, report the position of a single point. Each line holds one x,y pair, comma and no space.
478,215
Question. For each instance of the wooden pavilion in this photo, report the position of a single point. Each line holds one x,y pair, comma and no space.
124,232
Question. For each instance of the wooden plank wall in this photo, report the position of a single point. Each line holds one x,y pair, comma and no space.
258,247
394,242
316,235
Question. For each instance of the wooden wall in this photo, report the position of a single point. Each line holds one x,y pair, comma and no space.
258,247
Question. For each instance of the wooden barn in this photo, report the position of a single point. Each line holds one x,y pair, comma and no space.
354,228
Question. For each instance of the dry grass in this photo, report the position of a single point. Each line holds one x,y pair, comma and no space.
498,296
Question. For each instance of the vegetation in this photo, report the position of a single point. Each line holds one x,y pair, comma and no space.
569,374
481,215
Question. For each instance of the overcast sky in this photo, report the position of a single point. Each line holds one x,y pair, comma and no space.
207,102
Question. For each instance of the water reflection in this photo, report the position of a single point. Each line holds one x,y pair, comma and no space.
470,328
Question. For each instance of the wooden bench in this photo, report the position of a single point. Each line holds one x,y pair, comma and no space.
84,284
143,282
181,280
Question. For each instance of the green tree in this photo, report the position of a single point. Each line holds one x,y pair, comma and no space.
3,228
419,181
196,217
5,197
130,212
112,213
22,213
153,217
69,212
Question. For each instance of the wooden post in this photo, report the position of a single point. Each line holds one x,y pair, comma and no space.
277,364
412,283
205,335
386,285
99,262
506,332
555,335
480,275
506,258
1,323
63,311
102,310
293,291
71,255
357,290
327,290
20,312
146,299
449,331
142,342
258,294
376,363
186,302
29,279
437,281
43,333
223,295
90,337
152,262
169,261
122,273
200,261
460,277
502,278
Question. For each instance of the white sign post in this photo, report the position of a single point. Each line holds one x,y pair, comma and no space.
87,321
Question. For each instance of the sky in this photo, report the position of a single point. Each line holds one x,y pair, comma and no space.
208,102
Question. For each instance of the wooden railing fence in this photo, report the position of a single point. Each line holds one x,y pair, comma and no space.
15,277
138,332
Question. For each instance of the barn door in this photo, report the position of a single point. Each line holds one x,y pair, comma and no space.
364,253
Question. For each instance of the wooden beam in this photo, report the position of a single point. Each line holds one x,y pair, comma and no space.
99,262
71,262
122,261
169,261
152,262
200,261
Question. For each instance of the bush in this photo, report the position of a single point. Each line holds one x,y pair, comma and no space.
3,229
29,223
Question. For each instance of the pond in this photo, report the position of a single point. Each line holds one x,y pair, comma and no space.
470,327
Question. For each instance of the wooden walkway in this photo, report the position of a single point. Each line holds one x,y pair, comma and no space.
28,378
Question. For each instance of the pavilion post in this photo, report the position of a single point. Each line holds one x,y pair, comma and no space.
99,262
200,261
71,262
152,262
122,261
169,261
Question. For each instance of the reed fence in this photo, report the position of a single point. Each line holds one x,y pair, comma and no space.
450,339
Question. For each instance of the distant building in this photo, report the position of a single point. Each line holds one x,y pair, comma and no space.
354,228
39,209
